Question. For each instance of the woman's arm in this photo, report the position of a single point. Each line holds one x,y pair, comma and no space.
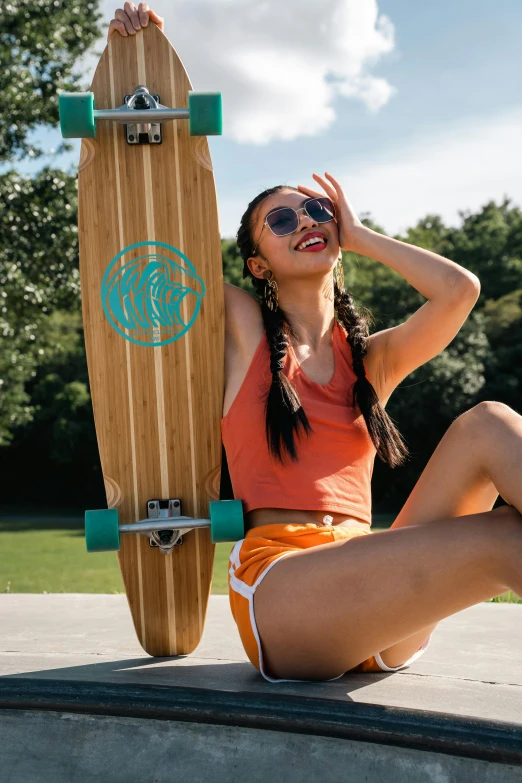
451,290
432,275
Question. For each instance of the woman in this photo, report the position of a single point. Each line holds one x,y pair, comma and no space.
303,419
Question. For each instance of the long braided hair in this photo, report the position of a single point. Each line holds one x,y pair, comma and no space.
285,415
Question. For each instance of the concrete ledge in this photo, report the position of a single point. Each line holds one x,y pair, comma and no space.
73,674
64,747
497,741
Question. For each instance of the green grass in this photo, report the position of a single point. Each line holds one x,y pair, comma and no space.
47,554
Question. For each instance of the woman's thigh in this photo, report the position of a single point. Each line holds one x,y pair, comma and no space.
452,484
323,610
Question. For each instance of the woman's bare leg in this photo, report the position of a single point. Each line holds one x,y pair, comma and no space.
479,457
323,610
391,581
482,443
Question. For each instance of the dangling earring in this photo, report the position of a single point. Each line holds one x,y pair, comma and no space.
271,290
339,273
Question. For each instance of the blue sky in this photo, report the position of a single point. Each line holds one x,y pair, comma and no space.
415,107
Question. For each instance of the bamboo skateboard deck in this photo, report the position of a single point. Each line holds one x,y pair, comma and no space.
153,312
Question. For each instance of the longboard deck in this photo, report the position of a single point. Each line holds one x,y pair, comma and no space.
153,318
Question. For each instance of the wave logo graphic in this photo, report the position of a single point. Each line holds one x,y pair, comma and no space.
151,290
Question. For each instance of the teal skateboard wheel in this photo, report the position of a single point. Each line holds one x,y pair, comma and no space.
77,115
205,114
226,520
101,530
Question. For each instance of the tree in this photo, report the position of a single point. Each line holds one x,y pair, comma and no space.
40,42
39,275
503,323
489,243
233,266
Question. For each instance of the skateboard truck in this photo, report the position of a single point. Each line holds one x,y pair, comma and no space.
165,525
141,113
143,132
164,538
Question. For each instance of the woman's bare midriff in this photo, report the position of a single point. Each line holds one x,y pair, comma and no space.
271,516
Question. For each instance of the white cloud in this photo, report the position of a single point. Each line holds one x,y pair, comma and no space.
279,64
444,173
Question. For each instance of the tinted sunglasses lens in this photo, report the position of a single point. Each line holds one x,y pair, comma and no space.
285,221
282,221
321,209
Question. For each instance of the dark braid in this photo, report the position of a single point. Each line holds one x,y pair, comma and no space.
385,436
284,414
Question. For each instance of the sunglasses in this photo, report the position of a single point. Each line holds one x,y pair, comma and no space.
285,220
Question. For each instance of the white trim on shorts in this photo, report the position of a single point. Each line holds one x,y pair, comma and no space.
413,658
248,591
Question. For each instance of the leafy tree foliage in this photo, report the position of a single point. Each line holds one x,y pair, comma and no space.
40,42
38,276
490,245
503,325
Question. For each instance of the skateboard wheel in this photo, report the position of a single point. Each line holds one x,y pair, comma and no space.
101,530
226,520
77,115
205,113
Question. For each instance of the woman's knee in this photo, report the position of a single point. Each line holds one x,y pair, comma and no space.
482,428
486,411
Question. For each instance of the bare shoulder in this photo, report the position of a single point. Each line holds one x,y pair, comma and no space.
243,320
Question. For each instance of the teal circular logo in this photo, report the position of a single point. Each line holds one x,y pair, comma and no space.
151,293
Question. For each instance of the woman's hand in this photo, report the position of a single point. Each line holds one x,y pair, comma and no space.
348,223
129,20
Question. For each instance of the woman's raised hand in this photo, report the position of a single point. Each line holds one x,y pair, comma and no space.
129,19
347,221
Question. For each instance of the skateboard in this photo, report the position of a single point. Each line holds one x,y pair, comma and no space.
153,315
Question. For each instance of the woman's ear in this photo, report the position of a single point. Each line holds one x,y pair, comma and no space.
256,268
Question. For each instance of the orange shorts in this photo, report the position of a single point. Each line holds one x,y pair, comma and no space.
253,556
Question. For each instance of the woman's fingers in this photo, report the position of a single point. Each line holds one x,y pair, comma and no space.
129,20
121,16
130,10
143,13
116,26
335,182
329,190
327,186
159,20
310,192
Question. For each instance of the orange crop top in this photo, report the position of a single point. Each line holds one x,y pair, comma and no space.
335,465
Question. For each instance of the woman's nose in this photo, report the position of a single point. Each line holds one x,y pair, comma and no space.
305,214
